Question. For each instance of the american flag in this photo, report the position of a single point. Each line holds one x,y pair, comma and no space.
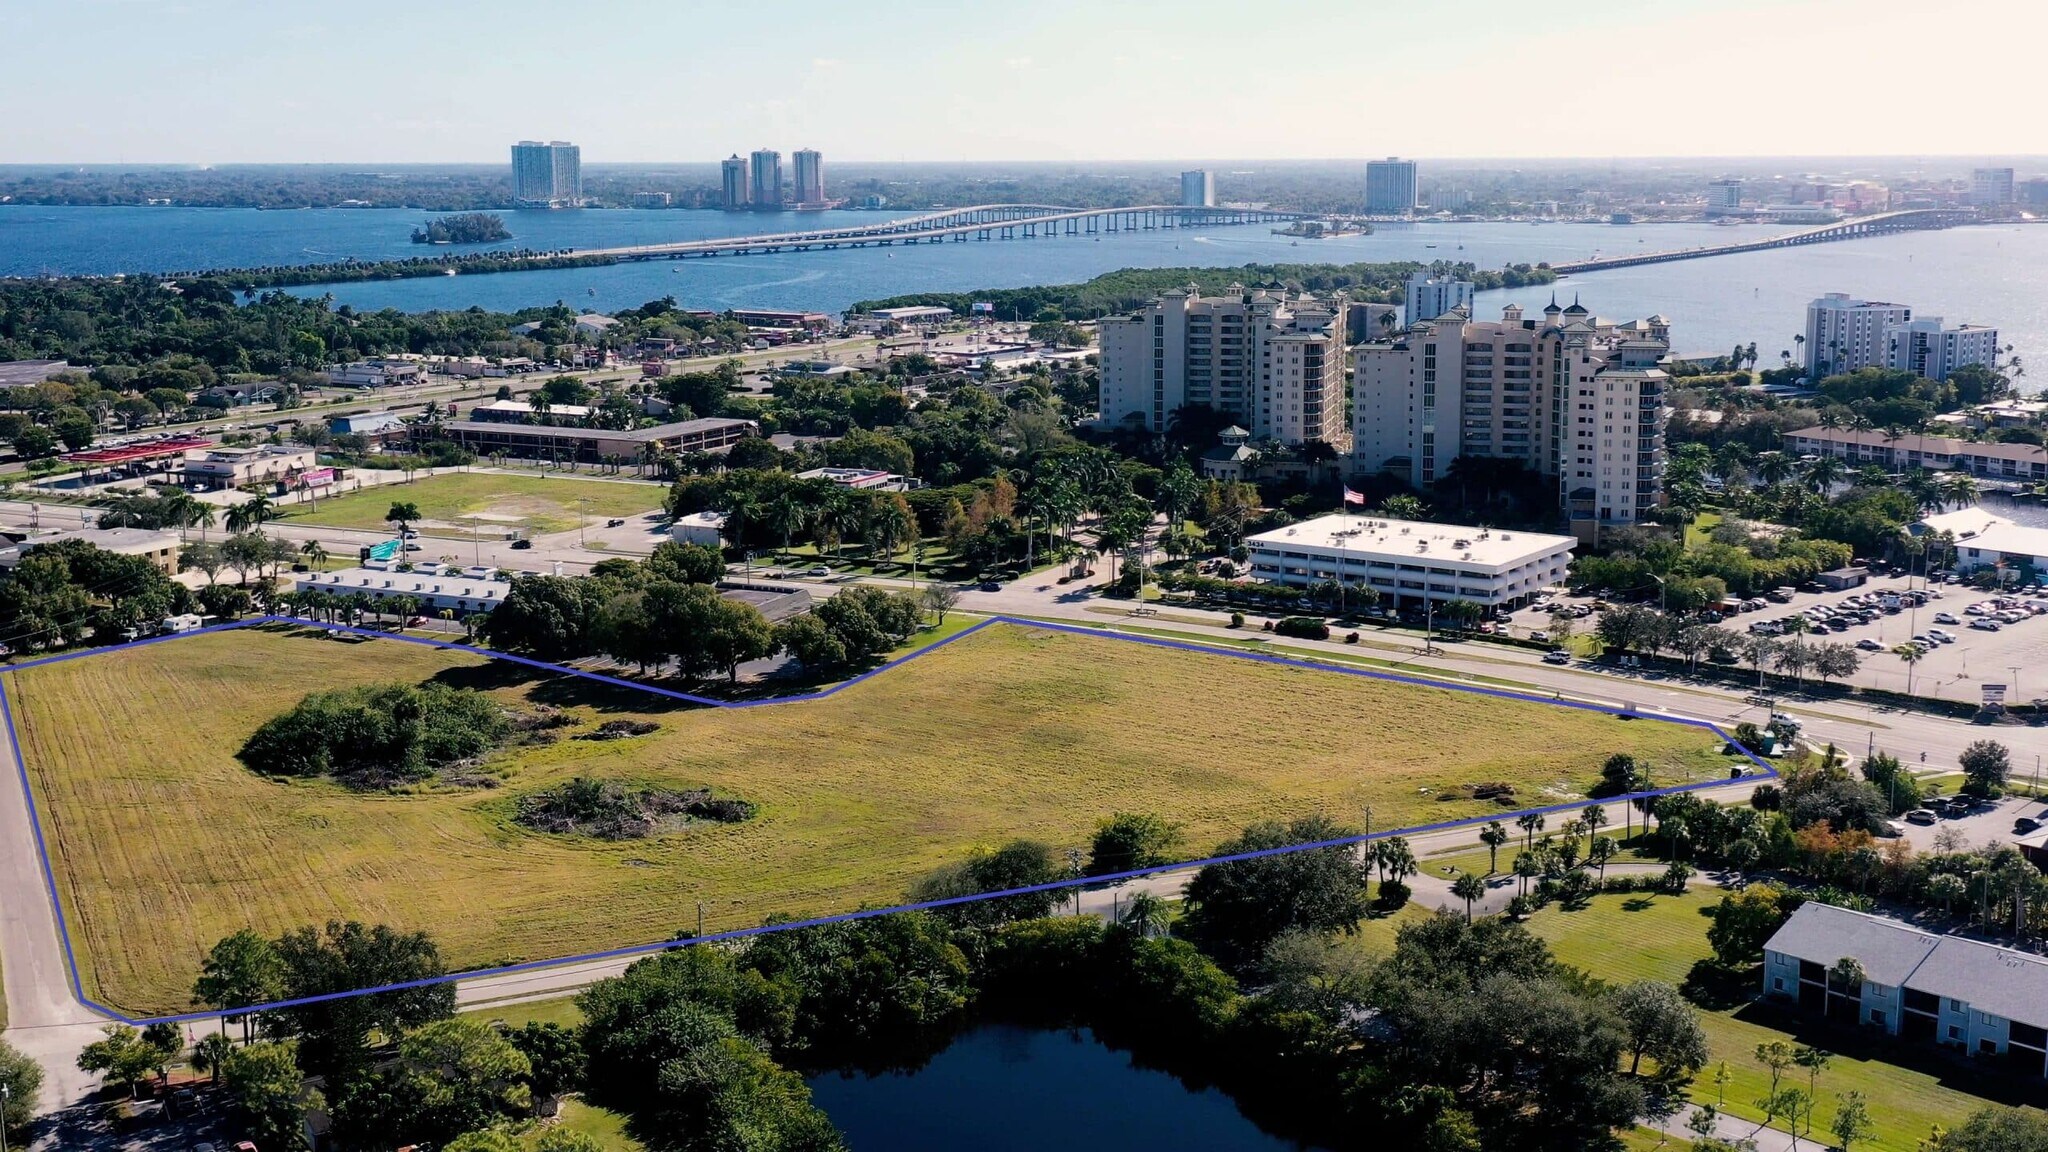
1351,497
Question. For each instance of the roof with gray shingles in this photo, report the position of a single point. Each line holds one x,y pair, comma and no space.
1988,978
1822,934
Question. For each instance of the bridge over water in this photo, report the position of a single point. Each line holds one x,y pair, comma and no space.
1882,224
976,222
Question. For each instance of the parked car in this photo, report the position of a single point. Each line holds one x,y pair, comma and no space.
1946,618
1984,624
1921,816
1869,645
2024,825
1540,635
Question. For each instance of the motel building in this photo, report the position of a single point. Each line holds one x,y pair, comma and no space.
1987,1001
1410,562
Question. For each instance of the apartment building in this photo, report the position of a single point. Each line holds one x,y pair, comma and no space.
1390,187
1569,395
547,175
1274,363
1427,297
810,176
1927,347
1844,334
1985,460
1198,188
1991,1002
1991,187
766,176
736,189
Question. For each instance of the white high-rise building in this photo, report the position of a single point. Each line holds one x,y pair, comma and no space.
1925,347
1390,187
1198,189
810,176
766,176
1991,187
1570,396
1429,297
1844,334
1274,363
547,175
1724,194
732,173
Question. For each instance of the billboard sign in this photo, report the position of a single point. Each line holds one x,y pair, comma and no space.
1994,696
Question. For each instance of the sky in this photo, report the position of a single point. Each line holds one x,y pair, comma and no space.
454,81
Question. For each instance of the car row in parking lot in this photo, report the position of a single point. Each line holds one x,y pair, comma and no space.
1866,608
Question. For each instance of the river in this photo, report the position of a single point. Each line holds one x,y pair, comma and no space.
1986,275
1001,1088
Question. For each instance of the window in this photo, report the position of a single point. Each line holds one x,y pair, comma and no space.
1877,1017
1955,1032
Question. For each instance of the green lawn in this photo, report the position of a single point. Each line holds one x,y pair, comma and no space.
163,845
606,1127
563,1011
535,504
1625,938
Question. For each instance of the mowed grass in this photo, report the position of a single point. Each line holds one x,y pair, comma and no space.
163,842
540,504
1622,939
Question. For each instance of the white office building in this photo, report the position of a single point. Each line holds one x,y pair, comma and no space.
1988,1001
1412,562
431,587
1724,195
1570,395
1991,187
547,175
1844,334
1390,187
1198,189
374,373
736,188
810,176
1926,347
766,177
1429,297
1273,362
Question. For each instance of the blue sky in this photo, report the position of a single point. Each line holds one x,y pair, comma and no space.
641,80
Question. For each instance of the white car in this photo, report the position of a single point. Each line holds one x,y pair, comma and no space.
1974,610
1946,618
1982,625
1557,656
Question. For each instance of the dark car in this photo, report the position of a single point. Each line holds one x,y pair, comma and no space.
615,523
991,586
522,543
2024,825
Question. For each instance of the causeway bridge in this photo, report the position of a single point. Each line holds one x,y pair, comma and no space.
1881,224
973,223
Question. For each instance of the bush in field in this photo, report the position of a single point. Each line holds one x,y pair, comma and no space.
377,735
1303,628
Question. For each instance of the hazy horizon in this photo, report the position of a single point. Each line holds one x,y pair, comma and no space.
134,82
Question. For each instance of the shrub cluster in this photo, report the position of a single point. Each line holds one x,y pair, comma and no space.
379,735
611,811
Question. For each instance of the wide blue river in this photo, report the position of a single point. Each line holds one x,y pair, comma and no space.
1989,275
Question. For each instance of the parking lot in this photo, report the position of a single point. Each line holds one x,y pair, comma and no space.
2016,655
1989,825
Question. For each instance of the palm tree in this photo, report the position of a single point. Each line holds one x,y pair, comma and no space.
1603,849
315,554
1530,823
1493,836
1959,488
788,516
1146,915
1924,488
1774,467
210,1053
1468,888
1526,869
1824,473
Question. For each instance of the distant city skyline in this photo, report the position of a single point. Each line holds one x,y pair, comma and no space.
967,88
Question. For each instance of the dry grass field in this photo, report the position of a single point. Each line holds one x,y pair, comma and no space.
495,501
163,842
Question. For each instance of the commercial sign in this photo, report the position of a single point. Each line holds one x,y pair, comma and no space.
316,478
1994,695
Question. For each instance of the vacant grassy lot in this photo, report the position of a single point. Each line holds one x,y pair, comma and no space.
539,504
1626,938
163,842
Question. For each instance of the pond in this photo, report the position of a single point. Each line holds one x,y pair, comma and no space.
999,1088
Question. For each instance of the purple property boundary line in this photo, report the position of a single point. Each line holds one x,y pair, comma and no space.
1767,771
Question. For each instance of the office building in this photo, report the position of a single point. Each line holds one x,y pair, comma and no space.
547,175
1843,334
1198,188
1724,195
596,445
1410,562
1274,363
374,373
159,548
1571,396
1991,187
1983,540
1429,297
737,190
766,176
1988,1001
810,176
1925,347
1390,187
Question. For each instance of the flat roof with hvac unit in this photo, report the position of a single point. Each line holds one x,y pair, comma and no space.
1413,560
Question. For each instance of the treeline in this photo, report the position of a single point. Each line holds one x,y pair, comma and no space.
410,268
71,592
663,612
377,735
1130,288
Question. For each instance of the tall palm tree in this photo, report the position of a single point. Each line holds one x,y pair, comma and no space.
1468,888
1530,823
315,554
1774,468
1494,835
1825,472
1959,488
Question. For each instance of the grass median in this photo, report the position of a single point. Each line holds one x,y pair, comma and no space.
163,842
